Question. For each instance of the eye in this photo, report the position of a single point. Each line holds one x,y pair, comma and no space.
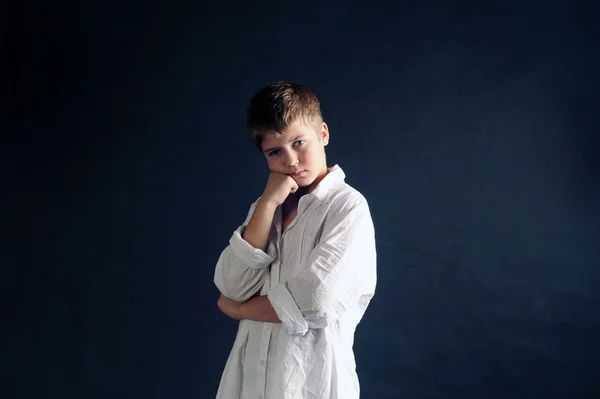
298,143
273,153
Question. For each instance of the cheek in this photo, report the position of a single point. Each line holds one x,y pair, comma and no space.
307,157
274,165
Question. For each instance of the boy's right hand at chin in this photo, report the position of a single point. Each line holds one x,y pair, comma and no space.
279,186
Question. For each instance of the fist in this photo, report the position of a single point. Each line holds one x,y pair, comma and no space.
278,187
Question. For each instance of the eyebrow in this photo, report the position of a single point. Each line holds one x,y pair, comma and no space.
289,141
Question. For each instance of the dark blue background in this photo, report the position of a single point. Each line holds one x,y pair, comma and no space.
470,127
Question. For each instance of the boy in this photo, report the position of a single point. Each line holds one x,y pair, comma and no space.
300,271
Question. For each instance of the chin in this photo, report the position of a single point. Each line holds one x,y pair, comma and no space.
306,181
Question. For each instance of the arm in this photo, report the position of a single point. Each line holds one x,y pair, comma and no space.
258,309
242,267
340,273
257,231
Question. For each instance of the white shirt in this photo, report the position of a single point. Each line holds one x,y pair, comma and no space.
320,276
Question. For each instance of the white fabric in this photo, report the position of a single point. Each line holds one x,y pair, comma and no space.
320,276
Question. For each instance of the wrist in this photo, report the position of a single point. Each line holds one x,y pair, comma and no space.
267,205
240,311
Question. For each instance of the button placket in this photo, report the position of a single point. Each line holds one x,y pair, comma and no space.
262,354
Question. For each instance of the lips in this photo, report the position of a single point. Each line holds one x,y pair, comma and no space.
298,173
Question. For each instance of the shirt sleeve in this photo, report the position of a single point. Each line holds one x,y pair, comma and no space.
340,273
241,270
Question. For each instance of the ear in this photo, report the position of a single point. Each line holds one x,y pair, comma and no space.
324,134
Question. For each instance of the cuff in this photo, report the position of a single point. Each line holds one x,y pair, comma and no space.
252,257
284,305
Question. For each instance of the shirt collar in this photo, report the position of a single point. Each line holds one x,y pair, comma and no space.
335,176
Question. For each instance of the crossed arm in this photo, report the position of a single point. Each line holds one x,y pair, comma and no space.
256,235
258,308
339,273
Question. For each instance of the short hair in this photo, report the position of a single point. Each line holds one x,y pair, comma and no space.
277,106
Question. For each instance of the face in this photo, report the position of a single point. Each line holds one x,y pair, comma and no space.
299,152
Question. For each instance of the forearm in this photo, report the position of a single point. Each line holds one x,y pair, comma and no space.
256,232
258,308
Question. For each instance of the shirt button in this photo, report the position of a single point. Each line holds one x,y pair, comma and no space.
262,362
268,326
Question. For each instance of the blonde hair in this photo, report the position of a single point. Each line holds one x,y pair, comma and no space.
277,106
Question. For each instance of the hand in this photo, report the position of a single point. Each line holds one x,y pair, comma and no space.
230,307
278,187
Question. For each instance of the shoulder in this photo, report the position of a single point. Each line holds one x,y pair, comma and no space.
347,212
346,199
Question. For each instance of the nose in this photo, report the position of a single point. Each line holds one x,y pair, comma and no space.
291,159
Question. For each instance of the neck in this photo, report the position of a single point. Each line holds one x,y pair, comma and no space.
314,184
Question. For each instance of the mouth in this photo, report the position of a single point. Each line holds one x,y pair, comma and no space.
297,174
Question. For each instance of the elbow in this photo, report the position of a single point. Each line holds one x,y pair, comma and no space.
297,322
328,305
232,282
230,290
225,285
240,287
326,312
319,321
